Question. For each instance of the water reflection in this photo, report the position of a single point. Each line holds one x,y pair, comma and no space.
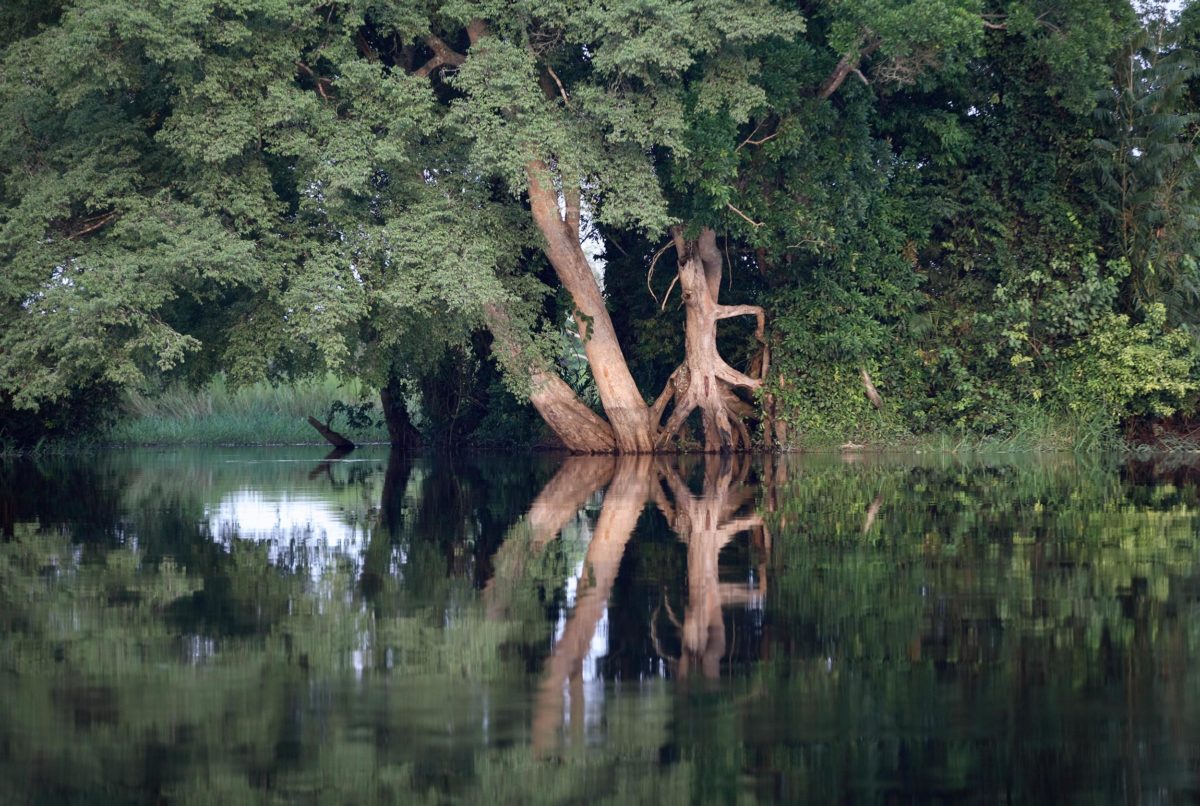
373,627
704,522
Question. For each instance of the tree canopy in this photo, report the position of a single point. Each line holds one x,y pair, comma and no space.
939,212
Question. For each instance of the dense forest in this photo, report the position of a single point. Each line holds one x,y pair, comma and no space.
642,224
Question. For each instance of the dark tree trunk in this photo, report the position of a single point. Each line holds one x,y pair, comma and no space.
401,432
332,437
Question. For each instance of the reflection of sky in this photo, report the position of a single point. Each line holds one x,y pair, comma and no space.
300,531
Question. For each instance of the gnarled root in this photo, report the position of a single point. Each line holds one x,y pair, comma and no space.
705,381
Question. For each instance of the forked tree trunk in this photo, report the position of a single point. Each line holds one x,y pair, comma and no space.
705,381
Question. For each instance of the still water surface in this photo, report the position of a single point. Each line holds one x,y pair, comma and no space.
263,626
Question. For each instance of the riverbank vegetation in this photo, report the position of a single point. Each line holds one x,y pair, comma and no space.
660,226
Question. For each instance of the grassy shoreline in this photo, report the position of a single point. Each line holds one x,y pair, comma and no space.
259,414
262,415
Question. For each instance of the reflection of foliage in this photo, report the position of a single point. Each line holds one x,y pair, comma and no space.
990,629
1017,598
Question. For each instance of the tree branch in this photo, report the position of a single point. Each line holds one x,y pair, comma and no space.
729,311
443,55
750,141
320,84
844,67
476,30
90,225
749,220
653,261
561,89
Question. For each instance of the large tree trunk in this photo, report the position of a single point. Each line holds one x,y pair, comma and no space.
626,410
579,428
704,381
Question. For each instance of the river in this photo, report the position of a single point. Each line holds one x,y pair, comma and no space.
269,625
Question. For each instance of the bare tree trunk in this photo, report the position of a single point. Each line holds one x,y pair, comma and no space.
626,410
704,381
579,428
332,437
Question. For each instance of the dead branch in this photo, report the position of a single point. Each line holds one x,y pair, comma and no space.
650,271
561,89
844,67
670,288
90,225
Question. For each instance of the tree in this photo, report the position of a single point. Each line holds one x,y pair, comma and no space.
208,180
365,185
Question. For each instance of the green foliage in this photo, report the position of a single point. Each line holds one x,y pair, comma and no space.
1126,370
962,197
1146,158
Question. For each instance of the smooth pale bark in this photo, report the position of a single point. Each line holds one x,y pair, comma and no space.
623,404
579,428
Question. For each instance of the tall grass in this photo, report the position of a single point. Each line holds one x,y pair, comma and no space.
260,414
1032,431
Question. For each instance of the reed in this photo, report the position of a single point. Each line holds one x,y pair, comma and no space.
258,414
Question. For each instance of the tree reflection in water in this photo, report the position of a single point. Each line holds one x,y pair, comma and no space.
704,522
932,629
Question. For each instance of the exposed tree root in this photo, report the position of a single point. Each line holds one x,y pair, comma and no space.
704,381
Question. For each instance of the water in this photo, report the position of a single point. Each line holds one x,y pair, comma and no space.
262,626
